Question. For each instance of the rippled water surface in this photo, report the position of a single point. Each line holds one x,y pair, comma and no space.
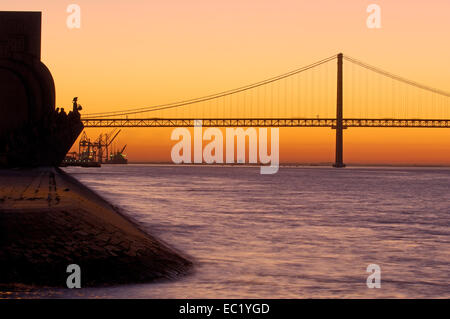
303,232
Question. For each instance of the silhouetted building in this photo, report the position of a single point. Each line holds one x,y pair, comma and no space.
32,133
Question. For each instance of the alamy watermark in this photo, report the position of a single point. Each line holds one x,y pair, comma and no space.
74,279
74,18
374,279
374,19
213,151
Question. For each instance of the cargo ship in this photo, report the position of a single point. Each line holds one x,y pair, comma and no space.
118,157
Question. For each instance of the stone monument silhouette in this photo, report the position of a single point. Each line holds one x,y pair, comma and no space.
32,133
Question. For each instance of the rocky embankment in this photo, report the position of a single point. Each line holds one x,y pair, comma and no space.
49,220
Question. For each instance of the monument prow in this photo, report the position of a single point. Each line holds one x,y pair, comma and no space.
32,133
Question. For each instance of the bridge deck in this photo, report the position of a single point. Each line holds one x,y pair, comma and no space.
269,122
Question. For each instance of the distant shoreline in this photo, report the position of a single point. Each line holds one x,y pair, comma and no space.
298,164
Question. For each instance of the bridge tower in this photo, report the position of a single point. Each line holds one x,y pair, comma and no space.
339,162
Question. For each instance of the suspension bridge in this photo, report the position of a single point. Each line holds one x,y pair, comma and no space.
311,96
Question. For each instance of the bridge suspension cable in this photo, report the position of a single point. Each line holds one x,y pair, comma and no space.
209,97
396,77
373,93
309,92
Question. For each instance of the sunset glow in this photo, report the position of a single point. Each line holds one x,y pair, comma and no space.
131,54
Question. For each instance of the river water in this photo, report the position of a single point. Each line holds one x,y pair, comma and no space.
303,232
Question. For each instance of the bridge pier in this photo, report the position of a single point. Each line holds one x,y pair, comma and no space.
339,161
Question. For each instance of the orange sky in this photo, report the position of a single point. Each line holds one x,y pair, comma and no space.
139,53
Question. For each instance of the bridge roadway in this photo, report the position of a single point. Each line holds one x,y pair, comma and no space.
266,122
